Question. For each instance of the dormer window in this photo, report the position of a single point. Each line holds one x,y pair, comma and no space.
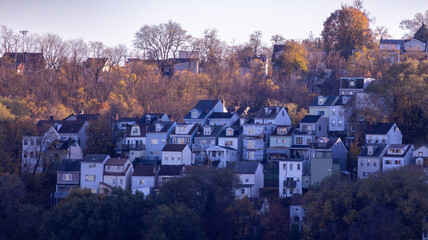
134,130
282,131
229,132
352,83
370,150
194,114
207,130
158,127
266,111
321,100
147,119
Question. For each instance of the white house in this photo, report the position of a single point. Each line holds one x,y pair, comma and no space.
135,141
420,156
397,155
370,160
276,115
92,171
223,118
231,137
169,172
144,179
224,155
252,179
176,154
117,173
386,133
291,176
33,148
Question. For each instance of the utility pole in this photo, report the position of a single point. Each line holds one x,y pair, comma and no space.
23,32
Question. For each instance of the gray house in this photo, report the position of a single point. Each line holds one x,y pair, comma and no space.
327,156
370,160
68,177
183,134
310,128
256,141
157,135
92,171
206,137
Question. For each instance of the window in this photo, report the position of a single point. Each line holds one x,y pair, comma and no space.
388,162
25,141
319,128
32,142
203,142
284,141
121,181
229,132
207,130
228,143
90,178
213,142
321,113
179,156
154,141
299,140
31,154
172,157
25,154
362,164
291,166
366,174
251,155
308,141
352,83
251,143
420,154
368,163
333,111
340,123
247,180
333,123
298,179
166,156
243,191
284,166
282,131
92,165
134,130
114,181
66,177
374,163
141,181
291,191
352,128
298,166
397,161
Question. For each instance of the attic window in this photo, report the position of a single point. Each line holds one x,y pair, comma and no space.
207,131
266,111
229,132
352,83
194,114
147,119
158,127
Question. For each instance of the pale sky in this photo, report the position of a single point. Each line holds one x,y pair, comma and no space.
114,22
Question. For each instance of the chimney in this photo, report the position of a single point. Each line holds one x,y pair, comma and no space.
286,109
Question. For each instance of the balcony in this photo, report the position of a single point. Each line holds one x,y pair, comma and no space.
127,147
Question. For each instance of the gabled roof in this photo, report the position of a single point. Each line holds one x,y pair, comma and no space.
203,106
71,127
359,82
215,131
246,167
166,126
236,132
69,165
191,131
174,147
145,170
35,59
391,41
330,101
272,115
171,170
116,161
95,157
380,128
378,149
83,117
153,117
310,119
290,130
407,146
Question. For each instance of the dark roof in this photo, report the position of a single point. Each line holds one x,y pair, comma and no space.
328,145
391,41
261,113
246,167
71,127
359,82
116,161
171,170
35,60
153,117
94,157
194,128
380,128
398,146
221,115
330,100
174,147
69,165
84,117
215,131
203,106
145,170
378,149
290,130
236,132
310,119
142,130
278,47
166,126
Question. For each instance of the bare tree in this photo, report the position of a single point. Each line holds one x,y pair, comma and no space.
162,41
256,42
277,39
54,50
77,51
8,39
414,24
116,54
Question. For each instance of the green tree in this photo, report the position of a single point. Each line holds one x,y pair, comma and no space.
422,33
412,25
100,136
346,29
176,221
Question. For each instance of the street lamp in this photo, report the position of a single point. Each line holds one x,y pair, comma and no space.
23,32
